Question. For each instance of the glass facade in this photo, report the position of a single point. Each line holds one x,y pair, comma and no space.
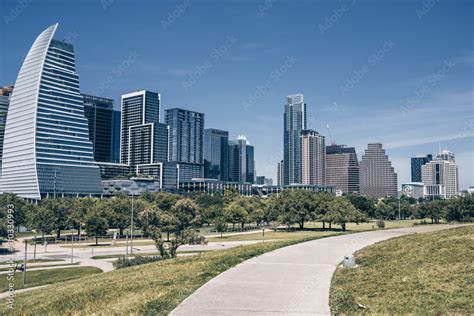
47,148
241,161
294,122
100,116
216,154
186,135
416,163
143,138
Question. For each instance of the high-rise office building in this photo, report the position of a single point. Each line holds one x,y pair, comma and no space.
416,163
100,115
4,101
442,171
294,123
280,172
241,161
342,168
186,135
313,158
216,154
115,144
47,150
143,139
377,176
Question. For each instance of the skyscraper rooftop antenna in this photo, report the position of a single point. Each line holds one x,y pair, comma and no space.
329,135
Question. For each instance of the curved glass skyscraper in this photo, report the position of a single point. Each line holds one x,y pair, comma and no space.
46,148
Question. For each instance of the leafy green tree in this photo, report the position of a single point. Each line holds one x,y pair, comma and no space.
165,201
364,204
210,206
460,209
79,208
321,205
236,212
230,195
295,206
257,210
96,224
343,211
60,208
19,211
41,219
181,219
220,224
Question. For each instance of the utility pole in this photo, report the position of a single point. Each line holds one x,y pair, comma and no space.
72,249
131,228
24,263
399,213
126,246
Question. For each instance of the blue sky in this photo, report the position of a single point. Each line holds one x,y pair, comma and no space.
396,72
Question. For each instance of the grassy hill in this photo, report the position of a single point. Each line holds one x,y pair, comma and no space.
153,289
429,274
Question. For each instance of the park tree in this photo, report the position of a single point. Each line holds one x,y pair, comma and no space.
295,207
41,219
236,212
181,219
19,207
257,210
79,208
165,201
96,224
321,205
220,224
210,206
460,209
60,208
230,195
364,204
119,211
342,211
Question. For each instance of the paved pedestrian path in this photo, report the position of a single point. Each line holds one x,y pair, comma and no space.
294,280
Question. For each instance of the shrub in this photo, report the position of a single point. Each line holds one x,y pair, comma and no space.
123,262
380,223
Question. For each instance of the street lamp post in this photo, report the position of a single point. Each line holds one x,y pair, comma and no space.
24,263
131,228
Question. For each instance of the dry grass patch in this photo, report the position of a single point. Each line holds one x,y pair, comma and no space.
429,273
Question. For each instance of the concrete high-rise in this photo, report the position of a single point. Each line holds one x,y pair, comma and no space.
377,176
100,115
313,158
442,171
144,140
280,172
216,154
416,164
186,140
46,149
241,161
342,168
294,122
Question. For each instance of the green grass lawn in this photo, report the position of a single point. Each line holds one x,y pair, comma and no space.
43,266
42,277
152,289
425,274
274,235
156,253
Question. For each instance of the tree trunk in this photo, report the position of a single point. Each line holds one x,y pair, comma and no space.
330,224
58,233
121,231
324,225
233,226
79,231
167,236
343,225
243,224
221,234
96,240
301,224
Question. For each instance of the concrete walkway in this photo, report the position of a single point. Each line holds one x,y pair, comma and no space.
294,280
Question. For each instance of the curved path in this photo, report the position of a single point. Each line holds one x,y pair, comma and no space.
294,280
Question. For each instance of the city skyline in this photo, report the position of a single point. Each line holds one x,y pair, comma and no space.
408,121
